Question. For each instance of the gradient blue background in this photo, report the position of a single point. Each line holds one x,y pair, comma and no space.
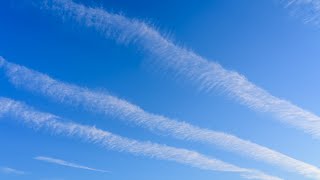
259,39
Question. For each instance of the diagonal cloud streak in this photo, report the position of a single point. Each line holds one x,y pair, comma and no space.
67,164
112,106
36,119
187,64
308,10
8,170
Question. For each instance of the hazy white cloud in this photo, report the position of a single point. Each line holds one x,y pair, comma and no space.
109,105
8,170
33,118
308,10
65,163
207,75
185,63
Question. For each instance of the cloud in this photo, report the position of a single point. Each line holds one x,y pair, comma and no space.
57,125
308,10
2,61
65,163
207,75
112,106
8,170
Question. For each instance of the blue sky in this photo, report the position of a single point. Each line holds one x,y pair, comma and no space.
258,39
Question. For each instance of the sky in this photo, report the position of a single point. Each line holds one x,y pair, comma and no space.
274,46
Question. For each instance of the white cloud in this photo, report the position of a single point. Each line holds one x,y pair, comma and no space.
65,163
109,105
27,115
187,64
308,10
8,170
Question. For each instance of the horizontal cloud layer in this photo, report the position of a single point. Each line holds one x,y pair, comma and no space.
33,118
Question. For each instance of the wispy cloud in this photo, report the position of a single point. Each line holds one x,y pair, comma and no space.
8,170
207,75
308,10
109,105
31,117
65,163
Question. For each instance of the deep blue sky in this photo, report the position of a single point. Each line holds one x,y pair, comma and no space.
259,39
